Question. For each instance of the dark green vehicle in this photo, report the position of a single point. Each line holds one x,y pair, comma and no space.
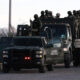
27,52
62,44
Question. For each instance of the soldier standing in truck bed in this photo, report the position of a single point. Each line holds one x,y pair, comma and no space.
70,14
50,14
42,17
75,13
50,17
57,15
46,13
36,25
78,14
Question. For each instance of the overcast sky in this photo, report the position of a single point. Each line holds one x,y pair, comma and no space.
23,10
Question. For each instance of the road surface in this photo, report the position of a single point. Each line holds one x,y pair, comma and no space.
59,73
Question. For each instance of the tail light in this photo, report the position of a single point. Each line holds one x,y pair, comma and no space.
27,58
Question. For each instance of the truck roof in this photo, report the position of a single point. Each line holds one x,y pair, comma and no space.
58,20
28,37
58,24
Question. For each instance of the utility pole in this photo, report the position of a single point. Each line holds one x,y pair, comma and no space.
9,17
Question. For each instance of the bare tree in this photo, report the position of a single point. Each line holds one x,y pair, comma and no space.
4,32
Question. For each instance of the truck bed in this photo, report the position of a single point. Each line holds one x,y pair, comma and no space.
77,43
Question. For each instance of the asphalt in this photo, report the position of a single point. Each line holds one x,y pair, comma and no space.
59,73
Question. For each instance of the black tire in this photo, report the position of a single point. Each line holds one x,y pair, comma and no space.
75,63
5,68
42,69
76,59
49,67
16,69
67,60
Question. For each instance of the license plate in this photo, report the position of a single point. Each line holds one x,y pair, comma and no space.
54,52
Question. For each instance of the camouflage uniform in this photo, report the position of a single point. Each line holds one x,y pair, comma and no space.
36,25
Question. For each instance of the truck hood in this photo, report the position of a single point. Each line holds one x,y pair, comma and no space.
56,42
25,47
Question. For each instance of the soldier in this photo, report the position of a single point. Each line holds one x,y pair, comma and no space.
46,13
50,14
42,14
36,17
50,17
42,17
74,13
70,14
36,25
79,13
58,15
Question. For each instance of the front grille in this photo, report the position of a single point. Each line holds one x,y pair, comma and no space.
19,55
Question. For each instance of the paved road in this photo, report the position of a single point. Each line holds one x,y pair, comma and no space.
59,73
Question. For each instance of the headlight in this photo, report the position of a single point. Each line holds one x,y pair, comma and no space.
65,49
5,52
38,56
40,52
5,56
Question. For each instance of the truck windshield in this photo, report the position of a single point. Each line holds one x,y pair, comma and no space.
52,31
28,42
59,31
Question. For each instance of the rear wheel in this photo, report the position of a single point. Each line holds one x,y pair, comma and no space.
75,63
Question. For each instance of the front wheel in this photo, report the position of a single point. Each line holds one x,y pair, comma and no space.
16,68
67,60
76,59
42,69
49,67
5,68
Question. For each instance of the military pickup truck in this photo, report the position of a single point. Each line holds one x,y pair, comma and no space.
27,52
62,44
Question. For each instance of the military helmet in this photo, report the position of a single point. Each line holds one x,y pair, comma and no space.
46,11
42,12
50,12
79,12
58,15
35,16
69,13
74,12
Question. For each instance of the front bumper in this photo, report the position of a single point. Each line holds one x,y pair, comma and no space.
26,63
17,59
